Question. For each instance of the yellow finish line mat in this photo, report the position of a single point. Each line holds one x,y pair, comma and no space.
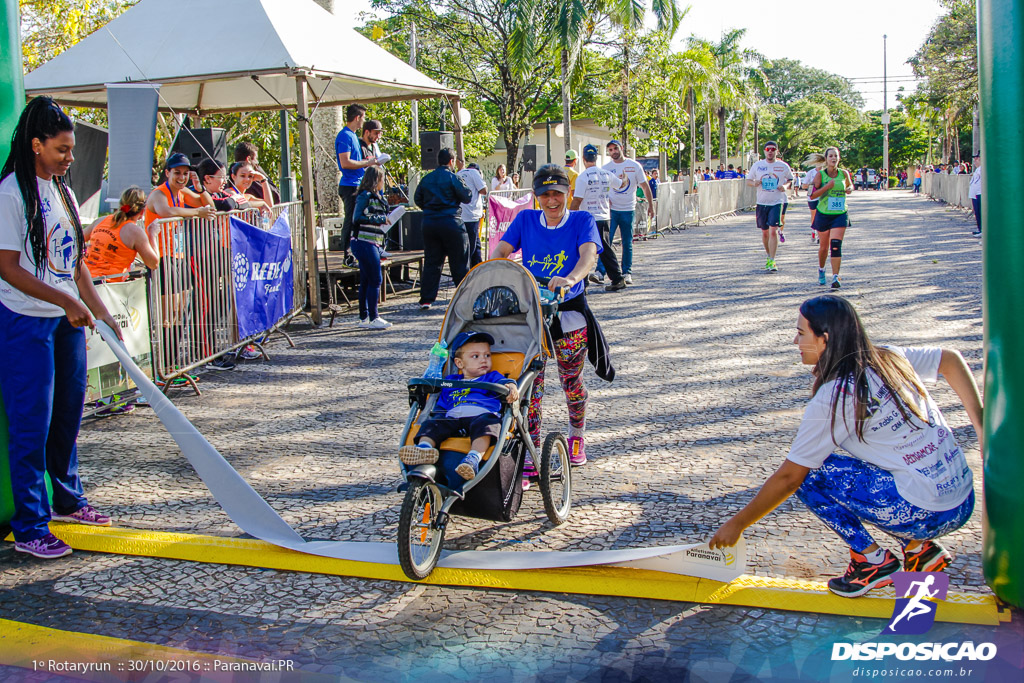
747,590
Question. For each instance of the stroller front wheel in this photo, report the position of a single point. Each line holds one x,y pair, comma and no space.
420,533
556,478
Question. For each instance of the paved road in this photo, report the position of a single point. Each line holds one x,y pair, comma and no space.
708,396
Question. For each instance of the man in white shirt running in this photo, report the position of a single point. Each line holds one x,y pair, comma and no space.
623,204
770,176
594,187
474,210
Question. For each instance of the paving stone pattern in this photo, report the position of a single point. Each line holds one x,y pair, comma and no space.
708,396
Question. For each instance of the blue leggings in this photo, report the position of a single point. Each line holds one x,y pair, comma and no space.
42,376
846,491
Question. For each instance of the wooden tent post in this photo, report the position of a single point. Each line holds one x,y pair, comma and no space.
313,268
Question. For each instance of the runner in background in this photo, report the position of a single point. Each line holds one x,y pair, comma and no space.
812,204
785,207
831,186
770,176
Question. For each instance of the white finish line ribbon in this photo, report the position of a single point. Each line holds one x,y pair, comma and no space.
254,516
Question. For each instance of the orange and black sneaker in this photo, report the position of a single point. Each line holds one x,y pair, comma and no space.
930,557
861,576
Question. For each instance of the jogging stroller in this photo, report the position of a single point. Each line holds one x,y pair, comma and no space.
499,297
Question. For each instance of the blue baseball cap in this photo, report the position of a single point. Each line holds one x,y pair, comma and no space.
613,142
590,153
175,160
464,338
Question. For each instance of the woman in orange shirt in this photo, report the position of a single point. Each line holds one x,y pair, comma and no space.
116,240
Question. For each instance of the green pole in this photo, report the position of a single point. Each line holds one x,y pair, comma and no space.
1001,74
12,101
12,83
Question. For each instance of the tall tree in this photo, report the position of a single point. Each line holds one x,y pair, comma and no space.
740,82
789,80
481,63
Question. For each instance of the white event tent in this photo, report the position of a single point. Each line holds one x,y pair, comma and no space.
237,55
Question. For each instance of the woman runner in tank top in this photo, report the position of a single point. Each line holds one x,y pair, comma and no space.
831,186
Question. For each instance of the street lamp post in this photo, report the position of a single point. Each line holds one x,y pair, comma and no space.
885,108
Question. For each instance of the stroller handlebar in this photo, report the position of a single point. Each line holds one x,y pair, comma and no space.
501,390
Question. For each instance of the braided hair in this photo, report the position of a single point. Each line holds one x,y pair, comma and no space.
41,119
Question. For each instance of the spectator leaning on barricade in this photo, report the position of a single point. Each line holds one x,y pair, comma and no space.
352,164
975,192
115,240
623,204
214,179
246,151
440,195
515,181
244,179
595,189
168,200
46,298
473,211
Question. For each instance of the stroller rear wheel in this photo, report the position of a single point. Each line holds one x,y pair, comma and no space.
420,531
556,478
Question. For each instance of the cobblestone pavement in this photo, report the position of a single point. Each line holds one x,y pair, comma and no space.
708,396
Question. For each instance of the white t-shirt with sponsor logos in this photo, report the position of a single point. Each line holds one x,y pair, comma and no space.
924,459
594,187
61,247
474,210
624,198
771,177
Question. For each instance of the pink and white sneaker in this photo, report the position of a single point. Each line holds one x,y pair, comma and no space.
577,456
529,473
86,515
48,547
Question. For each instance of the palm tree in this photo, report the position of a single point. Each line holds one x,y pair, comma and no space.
740,80
572,25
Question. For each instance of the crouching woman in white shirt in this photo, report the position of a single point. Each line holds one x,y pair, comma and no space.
46,298
904,473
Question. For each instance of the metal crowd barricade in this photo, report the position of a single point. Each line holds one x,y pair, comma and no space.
954,190
191,299
676,206
722,197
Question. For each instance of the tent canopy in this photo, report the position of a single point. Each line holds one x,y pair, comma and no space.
205,56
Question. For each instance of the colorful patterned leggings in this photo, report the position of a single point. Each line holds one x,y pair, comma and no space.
846,491
571,354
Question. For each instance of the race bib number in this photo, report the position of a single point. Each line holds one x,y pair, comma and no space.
837,204
769,183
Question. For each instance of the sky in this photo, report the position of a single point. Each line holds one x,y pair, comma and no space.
842,38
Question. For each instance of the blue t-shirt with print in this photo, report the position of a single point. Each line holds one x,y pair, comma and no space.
548,252
347,141
450,398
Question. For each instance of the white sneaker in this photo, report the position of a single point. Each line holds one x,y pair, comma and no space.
629,278
378,324
365,322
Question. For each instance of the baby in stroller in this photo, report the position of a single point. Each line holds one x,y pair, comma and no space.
473,411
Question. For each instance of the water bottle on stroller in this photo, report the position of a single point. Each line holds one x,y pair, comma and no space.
438,355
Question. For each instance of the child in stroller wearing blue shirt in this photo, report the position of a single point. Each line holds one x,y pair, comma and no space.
474,411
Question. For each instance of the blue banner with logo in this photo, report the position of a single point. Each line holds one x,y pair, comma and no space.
261,272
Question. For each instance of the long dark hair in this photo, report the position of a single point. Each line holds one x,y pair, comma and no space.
41,119
371,179
848,356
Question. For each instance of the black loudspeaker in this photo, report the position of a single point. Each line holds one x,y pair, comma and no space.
86,174
432,142
411,237
529,158
202,142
